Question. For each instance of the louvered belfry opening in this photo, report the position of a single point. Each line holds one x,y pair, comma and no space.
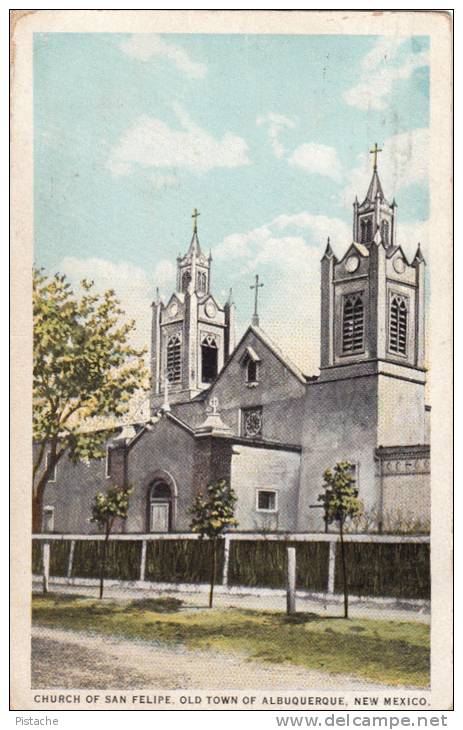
353,324
398,325
174,359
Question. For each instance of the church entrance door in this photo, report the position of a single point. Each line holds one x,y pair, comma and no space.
159,518
159,507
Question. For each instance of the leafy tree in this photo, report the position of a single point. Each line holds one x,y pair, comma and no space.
340,500
213,514
83,368
106,509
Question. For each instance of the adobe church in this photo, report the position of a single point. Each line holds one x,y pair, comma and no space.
244,412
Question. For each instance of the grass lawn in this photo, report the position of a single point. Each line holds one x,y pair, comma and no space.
392,652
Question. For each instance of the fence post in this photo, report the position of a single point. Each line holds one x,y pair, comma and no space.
331,566
71,558
46,565
291,580
143,560
226,560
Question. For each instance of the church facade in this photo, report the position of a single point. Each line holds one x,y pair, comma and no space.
244,412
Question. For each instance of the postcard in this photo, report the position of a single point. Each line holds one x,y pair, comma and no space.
232,336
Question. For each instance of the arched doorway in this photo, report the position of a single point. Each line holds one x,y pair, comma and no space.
160,501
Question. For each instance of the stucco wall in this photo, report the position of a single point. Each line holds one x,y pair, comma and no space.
401,413
278,391
406,497
260,468
340,423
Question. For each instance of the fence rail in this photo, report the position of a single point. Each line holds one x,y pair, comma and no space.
378,565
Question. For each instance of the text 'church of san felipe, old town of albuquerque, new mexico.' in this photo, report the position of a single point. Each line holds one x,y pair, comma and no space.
244,412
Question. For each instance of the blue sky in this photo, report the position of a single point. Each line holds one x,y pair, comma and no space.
268,136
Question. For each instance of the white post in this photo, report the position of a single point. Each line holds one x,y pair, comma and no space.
71,558
291,580
46,565
331,566
143,560
226,560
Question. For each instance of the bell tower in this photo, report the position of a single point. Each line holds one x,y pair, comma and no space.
192,335
372,299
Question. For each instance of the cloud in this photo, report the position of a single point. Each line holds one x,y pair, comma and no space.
382,68
286,252
145,46
319,159
151,143
403,162
276,123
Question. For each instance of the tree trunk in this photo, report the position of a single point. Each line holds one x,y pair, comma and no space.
213,569
103,562
344,572
37,509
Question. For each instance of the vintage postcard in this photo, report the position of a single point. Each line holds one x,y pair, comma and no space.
232,336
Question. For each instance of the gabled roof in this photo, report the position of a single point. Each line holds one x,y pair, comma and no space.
265,339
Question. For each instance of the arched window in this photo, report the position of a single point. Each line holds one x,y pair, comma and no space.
186,278
385,232
209,358
202,282
174,358
353,324
398,322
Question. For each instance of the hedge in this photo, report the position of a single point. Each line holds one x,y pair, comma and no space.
263,563
182,561
122,563
396,570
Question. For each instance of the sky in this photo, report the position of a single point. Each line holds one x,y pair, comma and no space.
267,135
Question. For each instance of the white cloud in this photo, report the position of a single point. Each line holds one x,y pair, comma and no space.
276,124
161,181
319,159
144,46
404,161
286,253
164,276
150,142
381,69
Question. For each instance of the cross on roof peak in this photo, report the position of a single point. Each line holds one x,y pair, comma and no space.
374,152
195,215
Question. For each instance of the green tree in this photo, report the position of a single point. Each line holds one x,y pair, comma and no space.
106,509
213,514
84,367
340,501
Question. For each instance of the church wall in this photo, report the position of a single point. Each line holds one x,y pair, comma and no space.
406,499
73,492
401,413
340,423
267,469
167,448
278,391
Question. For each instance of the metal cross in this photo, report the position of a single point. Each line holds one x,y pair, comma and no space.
256,286
195,220
374,152
214,404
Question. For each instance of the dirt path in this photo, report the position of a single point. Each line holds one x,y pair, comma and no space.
67,659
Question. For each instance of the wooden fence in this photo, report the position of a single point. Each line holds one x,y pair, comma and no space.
378,565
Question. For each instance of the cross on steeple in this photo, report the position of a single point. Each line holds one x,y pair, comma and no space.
256,287
374,152
194,215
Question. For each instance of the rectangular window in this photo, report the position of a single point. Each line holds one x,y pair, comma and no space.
266,500
251,422
52,475
353,324
48,520
398,322
252,371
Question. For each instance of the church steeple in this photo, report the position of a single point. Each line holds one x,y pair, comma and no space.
192,335
193,269
375,213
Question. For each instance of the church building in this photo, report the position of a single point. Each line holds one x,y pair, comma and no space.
244,412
